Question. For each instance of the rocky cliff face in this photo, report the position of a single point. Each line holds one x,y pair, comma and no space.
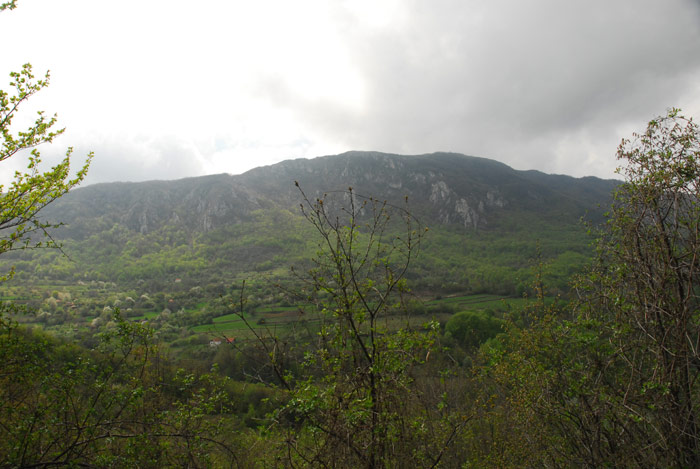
444,188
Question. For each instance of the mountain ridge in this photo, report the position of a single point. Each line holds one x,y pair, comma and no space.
447,188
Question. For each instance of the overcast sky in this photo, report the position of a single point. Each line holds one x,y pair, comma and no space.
169,89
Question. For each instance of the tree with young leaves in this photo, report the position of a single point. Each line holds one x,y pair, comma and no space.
617,384
121,404
644,291
352,397
31,190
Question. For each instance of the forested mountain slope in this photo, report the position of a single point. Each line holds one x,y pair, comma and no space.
486,220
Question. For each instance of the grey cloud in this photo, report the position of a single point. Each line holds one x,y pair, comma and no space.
517,81
141,159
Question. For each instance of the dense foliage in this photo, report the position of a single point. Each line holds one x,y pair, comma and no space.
615,382
120,404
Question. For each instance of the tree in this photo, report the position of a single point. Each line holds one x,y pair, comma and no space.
32,190
644,291
118,405
352,397
471,329
618,383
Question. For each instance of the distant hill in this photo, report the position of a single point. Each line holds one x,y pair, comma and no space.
486,222
445,188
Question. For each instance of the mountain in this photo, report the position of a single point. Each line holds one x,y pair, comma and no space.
445,188
487,222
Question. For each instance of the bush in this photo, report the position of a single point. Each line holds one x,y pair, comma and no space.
471,329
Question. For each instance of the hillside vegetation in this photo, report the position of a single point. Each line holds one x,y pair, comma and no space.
486,222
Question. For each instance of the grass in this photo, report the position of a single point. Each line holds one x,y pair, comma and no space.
149,315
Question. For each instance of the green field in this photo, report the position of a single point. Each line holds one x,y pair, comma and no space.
479,301
281,317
